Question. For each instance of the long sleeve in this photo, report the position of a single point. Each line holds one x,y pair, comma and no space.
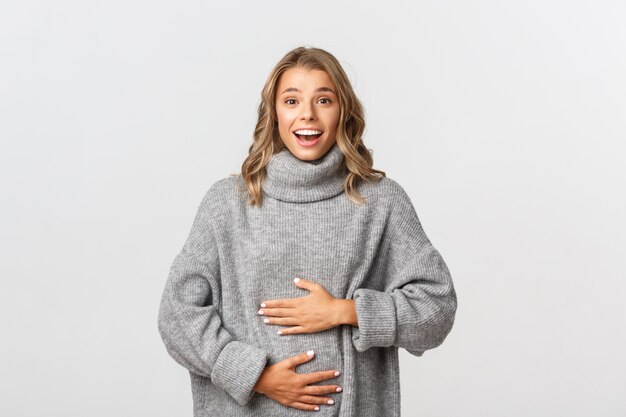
416,310
189,323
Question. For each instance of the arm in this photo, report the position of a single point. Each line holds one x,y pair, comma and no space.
190,325
416,310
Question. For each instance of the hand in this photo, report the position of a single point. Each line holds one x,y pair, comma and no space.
316,312
281,383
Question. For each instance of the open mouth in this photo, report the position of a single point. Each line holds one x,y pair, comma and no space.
308,135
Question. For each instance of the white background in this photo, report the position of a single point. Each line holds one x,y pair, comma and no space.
504,121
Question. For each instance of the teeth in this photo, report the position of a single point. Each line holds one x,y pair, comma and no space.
308,132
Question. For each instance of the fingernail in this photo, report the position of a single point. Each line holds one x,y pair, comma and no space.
260,311
310,353
331,402
316,408
263,305
279,332
337,373
339,389
266,320
296,280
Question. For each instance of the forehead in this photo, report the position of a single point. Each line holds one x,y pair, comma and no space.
304,79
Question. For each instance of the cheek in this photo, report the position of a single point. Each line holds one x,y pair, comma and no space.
284,126
335,121
284,119
281,122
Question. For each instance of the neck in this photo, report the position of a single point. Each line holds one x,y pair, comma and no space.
294,180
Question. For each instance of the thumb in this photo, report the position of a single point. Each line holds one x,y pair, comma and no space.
305,283
300,358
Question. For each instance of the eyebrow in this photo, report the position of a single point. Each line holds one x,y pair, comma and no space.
319,90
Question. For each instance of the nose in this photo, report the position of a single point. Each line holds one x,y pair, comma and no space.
307,111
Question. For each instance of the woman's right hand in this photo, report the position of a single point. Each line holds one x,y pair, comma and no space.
281,383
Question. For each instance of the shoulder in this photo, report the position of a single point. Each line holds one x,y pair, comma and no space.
222,190
403,227
386,192
393,202
394,190
220,196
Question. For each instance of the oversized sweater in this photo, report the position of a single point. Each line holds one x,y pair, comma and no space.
238,255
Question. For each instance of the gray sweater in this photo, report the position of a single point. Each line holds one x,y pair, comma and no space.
237,256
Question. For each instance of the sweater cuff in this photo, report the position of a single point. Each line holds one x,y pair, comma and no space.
237,369
376,314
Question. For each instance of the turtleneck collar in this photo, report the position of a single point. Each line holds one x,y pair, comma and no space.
296,181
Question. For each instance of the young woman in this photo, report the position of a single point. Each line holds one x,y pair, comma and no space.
303,275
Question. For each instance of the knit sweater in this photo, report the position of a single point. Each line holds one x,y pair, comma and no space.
238,255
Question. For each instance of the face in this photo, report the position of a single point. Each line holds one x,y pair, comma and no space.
306,103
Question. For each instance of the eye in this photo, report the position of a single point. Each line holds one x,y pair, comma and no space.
288,101
327,100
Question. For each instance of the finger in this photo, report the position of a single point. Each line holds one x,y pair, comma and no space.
306,284
322,389
318,376
310,399
292,330
277,312
299,358
290,302
303,406
282,321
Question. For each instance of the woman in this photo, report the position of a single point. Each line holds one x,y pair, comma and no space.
303,275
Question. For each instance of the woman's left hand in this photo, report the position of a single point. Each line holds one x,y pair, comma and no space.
315,312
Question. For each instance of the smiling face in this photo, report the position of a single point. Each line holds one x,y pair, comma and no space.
307,109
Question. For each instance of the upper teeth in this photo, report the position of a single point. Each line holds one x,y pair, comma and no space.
308,132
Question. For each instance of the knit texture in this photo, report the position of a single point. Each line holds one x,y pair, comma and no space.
237,256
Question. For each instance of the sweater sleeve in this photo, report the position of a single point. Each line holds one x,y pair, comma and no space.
416,310
190,325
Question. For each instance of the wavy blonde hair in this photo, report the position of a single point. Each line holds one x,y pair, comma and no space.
351,125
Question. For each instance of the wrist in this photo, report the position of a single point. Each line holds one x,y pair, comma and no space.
257,386
346,312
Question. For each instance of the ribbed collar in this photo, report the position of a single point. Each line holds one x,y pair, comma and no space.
296,181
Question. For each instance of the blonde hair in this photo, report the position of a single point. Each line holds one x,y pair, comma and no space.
351,125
